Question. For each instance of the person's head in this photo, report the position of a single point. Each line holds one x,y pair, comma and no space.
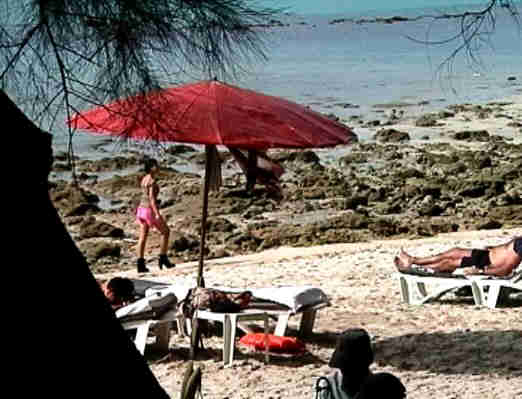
119,290
382,385
150,165
353,352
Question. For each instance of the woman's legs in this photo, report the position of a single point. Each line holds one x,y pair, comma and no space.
165,234
144,233
164,230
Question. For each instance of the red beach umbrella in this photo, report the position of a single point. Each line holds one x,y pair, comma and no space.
214,113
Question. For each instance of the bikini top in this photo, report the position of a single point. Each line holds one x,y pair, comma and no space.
145,200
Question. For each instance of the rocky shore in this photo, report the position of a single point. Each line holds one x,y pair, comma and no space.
455,170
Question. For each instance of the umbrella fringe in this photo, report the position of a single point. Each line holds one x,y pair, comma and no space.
215,178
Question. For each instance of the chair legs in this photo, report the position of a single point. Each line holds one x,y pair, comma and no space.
161,330
162,333
307,323
282,323
142,331
414,292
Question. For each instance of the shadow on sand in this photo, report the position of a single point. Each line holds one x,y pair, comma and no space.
462,352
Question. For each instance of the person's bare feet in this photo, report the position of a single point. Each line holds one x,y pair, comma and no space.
403,261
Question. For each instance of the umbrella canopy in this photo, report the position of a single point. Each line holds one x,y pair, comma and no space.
212,112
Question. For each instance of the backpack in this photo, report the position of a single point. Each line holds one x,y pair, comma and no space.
211,299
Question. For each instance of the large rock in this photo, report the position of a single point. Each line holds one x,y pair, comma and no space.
82,209
428,120
91,227
95,250
222,225
73,200
384,227
489,225
353,202
243,242
472,135
306,157
181,242
108,164
180,149
355,157
391,136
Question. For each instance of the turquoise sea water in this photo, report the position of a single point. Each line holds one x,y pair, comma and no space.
365,64
329,65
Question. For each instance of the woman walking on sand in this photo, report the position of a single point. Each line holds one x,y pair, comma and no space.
148,215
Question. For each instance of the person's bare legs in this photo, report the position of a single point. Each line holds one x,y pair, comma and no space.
165,234
142,241
447,261
140,263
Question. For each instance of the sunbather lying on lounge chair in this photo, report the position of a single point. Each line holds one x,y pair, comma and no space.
499,260
119,291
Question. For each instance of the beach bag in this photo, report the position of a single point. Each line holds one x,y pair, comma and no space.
275,343
213,300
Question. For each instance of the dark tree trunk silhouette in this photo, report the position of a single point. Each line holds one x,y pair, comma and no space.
72,339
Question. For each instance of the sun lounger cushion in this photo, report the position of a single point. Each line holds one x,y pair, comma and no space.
294,298
430,273
149,307
141,286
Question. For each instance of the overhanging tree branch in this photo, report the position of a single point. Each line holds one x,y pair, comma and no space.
102,50
474,30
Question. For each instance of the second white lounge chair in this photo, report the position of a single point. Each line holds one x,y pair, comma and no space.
489,290
486,290
413,286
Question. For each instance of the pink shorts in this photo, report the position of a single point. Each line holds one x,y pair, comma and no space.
145,215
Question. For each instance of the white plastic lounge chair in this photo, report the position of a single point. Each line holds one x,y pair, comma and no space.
490,289
231,321
150,316
486,290
282,303
279,303
413,286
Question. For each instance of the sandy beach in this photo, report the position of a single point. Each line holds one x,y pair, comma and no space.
445,349
449,348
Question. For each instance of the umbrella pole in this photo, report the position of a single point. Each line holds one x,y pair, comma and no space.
206,188
195,337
